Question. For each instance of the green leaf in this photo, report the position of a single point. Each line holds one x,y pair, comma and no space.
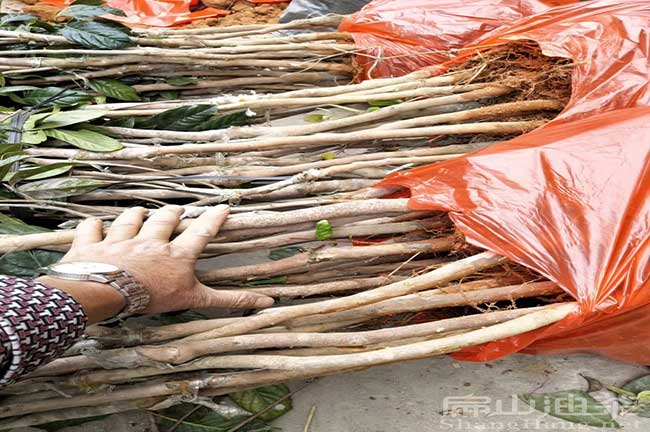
90,11
96,34
180,317
33,137
25,263
258,399
15,18
225,121
205,420
328,156
635,396
14,89
316,118
575,406
59,119
166,95
285,252
384,103
115,89
276,280
373,109
88,2
54,96
40,172
55,426
186,118
59,187
85,139
8,160
323,230
181,81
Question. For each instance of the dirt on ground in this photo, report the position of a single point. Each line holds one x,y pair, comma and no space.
243,12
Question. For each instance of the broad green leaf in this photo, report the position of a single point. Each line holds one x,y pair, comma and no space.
25,263
90,11
639,404
62,118
323,230
258,399
575,406
33,137
186,118
54,96
40,172
285,252
8,160
14,89
384,103
96,34
15,18
115,89
85,139
59,187
225,121
205,420
181,81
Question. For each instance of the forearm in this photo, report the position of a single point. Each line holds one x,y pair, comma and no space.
37,324
99,301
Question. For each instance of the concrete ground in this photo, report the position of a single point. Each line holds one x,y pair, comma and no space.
435,395
440,394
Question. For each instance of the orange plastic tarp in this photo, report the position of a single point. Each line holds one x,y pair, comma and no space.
400,36
569,200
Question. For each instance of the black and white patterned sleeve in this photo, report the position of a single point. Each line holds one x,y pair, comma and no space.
37,324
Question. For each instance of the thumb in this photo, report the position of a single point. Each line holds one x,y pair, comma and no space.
234,299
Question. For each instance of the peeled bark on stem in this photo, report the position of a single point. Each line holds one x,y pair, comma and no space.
488,128
303,260
312,365
444,274
337,232
429,300
16,243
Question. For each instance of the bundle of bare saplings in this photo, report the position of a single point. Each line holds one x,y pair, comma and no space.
360,280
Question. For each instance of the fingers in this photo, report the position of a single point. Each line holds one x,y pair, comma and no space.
235,299
89,231
161,224
196,237
127,225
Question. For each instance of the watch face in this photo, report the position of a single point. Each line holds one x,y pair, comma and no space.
84,268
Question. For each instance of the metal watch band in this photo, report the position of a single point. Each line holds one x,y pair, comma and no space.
136,297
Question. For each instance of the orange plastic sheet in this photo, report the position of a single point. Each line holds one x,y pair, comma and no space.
399,36
571,202
154,13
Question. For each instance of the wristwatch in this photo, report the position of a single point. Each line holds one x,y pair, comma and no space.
135,295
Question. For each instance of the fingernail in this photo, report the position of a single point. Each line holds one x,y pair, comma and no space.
264,302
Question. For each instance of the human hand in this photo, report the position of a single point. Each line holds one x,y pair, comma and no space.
164,267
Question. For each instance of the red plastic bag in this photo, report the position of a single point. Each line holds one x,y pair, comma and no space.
571,202
154,13
400,36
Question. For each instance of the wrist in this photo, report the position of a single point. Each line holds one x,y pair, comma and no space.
99,301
